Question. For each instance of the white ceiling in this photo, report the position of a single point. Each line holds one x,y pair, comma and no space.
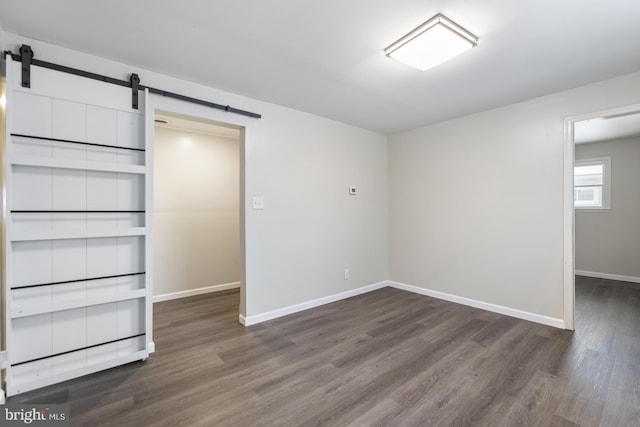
326,57
605,128
193,124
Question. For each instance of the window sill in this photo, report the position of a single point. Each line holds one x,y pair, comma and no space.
585,210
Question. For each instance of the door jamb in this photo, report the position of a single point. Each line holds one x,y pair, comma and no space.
569,213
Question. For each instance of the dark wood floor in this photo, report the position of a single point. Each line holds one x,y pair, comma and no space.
388,358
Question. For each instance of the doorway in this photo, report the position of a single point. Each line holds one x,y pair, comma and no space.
597,151
196,206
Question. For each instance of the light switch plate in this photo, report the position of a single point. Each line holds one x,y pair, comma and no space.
258,202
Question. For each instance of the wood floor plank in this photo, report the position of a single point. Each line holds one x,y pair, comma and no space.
586,390
386,358
438,375
536,405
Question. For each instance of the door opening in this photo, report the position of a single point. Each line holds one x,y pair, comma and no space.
595,147
196,206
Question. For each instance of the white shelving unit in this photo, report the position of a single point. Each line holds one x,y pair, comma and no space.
76,230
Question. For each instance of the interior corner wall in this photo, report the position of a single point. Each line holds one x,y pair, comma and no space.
311,229
476,203
196,212
608,242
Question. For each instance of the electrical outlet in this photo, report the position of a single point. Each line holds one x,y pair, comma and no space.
346,274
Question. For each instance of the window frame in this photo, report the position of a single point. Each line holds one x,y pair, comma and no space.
606,183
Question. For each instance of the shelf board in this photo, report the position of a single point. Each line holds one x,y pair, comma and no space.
21,137
23,236
19,385
81,164
17,313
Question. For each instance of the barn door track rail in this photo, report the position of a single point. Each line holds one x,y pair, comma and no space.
26,58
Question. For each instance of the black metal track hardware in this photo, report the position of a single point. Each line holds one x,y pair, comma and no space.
201,102
130,84
69,141
77,349
78,280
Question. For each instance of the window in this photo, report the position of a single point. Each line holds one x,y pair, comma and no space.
592,184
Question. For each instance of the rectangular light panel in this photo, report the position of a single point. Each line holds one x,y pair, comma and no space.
432,43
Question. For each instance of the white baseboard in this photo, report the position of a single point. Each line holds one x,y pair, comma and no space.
550,321
608,276
263,317
198,291
242,320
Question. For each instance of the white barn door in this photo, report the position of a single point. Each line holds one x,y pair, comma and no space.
77,229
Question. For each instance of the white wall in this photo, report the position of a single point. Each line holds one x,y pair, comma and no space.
310,230
196,211
1,36
609,242
476,204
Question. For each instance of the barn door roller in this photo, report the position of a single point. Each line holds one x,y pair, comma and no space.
135,83
26,56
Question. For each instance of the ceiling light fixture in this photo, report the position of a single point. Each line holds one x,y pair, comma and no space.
432,43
